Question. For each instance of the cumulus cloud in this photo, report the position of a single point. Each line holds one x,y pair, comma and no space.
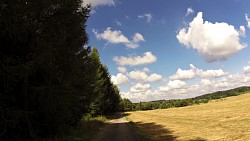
146,69
122,70
246,69
119,79
215,41
139,88
95,3
147,58
210,73
193,72
117,37
147,16
175,84
248,20
206,82
183,74
114,36
142,76
189,11
177,89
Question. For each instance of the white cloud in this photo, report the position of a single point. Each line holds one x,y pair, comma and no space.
147,58
248,20
119,79
154,77
139,87
175,84
95,3
122,70
193,71
147,16
116,37
242,31
222,85
206,82
138,38
118,23
246,69
210,73
216,41
189,11
184,74
146,69
142,76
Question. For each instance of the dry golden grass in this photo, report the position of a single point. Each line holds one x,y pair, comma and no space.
223,120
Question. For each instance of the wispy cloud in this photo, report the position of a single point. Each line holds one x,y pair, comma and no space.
95,3
189,11
146,16
248,20
118,23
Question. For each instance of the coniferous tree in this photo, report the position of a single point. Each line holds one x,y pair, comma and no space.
41,58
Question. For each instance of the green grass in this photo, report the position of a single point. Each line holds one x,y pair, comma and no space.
86,129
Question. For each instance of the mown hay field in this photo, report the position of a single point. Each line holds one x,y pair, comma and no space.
220,120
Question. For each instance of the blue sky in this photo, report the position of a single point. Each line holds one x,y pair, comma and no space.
172,49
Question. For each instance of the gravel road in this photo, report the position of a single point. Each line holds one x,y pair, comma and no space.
117,129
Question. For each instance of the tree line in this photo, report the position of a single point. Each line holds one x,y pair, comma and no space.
49,77
163,104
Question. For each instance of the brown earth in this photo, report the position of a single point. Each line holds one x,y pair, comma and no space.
117,129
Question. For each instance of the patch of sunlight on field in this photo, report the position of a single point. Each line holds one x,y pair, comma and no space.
221,120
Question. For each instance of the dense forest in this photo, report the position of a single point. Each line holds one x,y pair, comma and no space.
49,77
163,104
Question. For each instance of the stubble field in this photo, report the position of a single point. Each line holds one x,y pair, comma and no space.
221,120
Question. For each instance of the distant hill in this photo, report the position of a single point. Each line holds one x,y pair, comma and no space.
223,94
163,104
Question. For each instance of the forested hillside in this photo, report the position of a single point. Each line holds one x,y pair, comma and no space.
49,78
163,104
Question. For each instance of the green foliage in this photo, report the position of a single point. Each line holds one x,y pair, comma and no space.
107,97
48,79
126,105
163,104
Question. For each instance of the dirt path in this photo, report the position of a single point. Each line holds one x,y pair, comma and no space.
117,129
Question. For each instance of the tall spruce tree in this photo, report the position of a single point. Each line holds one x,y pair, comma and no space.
41,59
107,97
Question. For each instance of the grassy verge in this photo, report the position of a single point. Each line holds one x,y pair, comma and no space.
87,128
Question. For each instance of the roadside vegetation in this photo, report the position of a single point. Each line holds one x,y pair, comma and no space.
85,130
217,120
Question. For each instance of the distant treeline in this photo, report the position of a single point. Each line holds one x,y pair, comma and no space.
163,104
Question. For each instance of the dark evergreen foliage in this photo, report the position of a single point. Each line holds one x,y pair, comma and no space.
48,79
